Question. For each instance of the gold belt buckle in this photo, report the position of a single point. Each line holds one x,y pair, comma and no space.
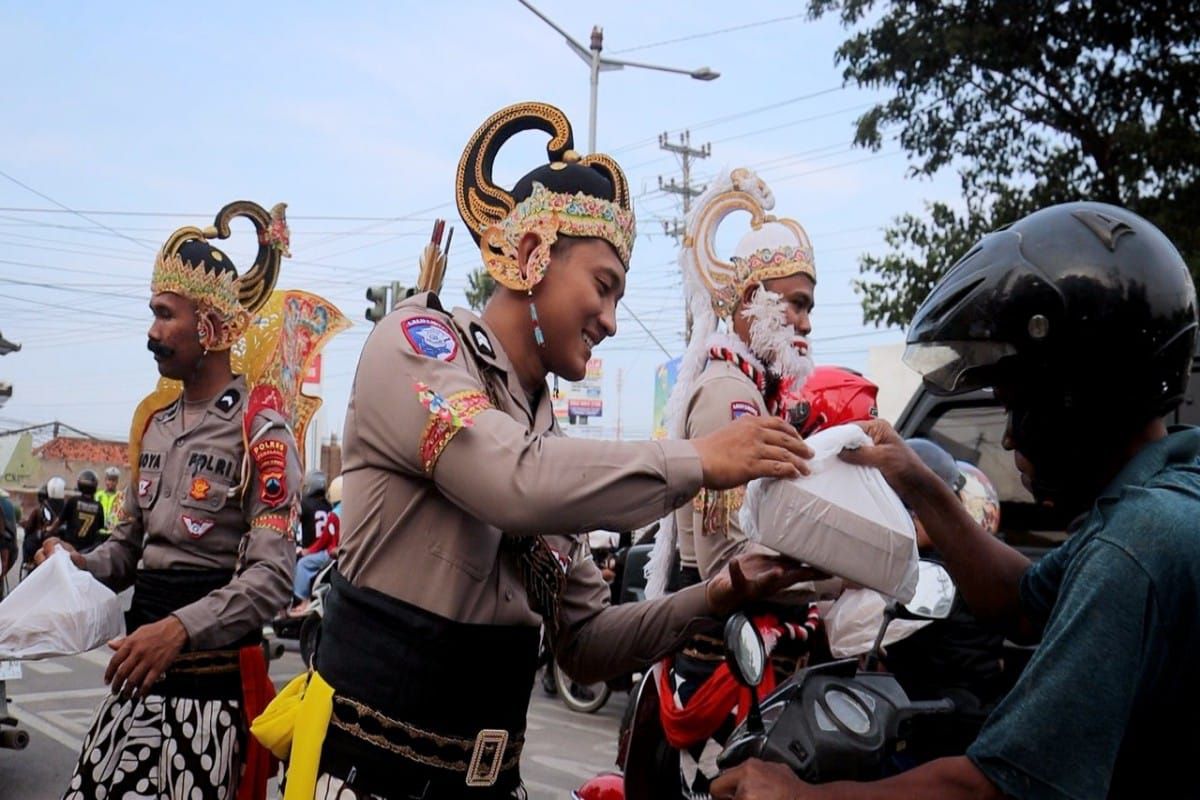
487,758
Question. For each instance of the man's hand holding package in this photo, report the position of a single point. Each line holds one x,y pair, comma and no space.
48,548
754,576
901,467
751,447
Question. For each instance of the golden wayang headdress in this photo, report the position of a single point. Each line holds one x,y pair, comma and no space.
774,248
278,333
572,195
189,266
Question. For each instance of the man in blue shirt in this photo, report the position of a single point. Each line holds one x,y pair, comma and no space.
1083,318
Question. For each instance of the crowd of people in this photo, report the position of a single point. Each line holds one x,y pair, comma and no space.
459,543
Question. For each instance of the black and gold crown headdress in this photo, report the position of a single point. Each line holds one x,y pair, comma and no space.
189,266
572,195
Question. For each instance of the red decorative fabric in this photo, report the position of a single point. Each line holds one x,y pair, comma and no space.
257,692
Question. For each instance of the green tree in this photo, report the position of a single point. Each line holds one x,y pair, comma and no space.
480,286
1032,103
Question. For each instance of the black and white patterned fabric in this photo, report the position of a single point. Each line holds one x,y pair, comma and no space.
157,748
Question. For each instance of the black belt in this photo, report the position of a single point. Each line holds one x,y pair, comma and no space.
199,674
395,759
424,706
203,675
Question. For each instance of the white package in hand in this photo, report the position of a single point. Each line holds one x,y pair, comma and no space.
853,622
59,610
841,518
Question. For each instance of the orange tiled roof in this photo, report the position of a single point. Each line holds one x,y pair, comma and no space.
95,451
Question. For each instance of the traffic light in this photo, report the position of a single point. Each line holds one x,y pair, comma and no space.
400,293
378,295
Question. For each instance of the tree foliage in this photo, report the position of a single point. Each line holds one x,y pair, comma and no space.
1032,103
480,286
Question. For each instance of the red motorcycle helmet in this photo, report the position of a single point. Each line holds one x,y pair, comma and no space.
606,786
833,396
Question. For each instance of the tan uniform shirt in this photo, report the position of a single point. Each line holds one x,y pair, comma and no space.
427,501
185,511
708,531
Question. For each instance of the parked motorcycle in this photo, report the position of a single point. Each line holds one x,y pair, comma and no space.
12,735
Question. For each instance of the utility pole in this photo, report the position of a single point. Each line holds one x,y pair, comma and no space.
676,228
686,153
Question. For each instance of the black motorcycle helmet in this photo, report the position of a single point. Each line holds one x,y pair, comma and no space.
1084,313
314,484
87,481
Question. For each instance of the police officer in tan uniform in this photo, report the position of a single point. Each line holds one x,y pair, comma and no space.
753,367
464,500
204,537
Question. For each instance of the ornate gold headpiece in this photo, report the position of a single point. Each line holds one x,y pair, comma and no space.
209,279
572,195
774,248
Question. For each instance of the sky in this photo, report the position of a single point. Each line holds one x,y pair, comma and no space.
122,122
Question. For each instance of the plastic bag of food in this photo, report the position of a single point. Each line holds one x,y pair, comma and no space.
59,610
853,622
841,518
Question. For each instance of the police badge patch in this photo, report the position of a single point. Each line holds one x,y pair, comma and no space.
197,527
270,456
199,489
430,337
740,408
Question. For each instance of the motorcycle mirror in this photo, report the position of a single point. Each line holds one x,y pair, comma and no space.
744,651
747,658
934,595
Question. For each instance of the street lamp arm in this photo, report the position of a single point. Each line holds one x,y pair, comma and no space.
703,73
575,46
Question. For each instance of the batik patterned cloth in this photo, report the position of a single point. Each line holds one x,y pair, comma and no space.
158,748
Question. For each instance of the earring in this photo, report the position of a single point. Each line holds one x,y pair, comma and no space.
538,336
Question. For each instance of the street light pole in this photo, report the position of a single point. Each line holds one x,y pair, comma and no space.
597,46
598,63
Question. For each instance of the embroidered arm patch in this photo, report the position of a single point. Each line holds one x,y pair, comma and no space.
280,523
430,337
270,457
447,416
741,408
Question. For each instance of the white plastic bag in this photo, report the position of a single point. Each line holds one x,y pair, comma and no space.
59,610
841,518
853,621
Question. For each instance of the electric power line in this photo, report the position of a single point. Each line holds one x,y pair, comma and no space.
707,34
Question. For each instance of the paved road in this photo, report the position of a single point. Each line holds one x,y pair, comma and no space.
55,700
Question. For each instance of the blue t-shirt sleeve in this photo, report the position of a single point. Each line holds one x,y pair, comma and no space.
1058,732
1041,583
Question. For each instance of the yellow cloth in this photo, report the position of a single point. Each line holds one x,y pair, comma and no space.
293,728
